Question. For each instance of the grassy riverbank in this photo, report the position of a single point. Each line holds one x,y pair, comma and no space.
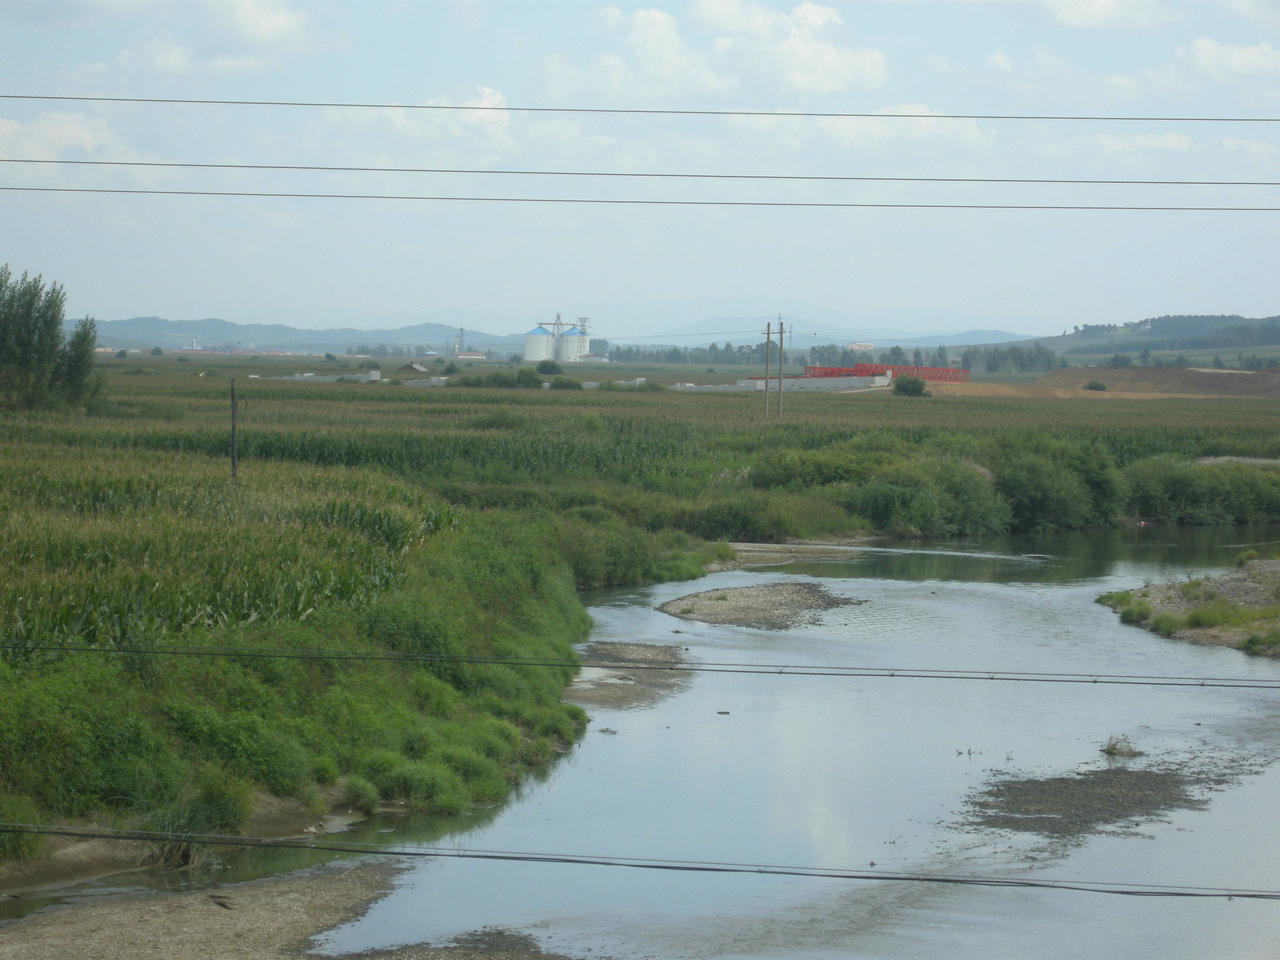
1240,609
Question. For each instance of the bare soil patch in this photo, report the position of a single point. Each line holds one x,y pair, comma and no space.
772,606
623,675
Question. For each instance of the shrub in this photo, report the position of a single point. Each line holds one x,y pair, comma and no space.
527,378
1166,624
1262,643
1095,385
1135,612
19,846
566,383
909,387
1245,556
359,794
548,368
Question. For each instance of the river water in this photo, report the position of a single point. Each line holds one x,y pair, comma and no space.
844,773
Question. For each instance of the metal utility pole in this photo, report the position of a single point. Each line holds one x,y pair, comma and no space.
780,356
768,360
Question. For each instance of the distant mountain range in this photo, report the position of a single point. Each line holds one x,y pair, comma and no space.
223,334
146,332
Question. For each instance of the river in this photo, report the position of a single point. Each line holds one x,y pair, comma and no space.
878,775
843,773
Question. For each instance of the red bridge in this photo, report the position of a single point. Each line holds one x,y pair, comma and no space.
932,374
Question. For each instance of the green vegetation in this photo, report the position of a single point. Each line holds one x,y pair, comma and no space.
1095,385
459,522
909,387
1265,643
38,363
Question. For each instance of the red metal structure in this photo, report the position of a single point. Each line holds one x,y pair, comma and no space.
932,374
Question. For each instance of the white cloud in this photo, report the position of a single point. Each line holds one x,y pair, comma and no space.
921,124
1098,13
1263,11
216,35
661,53
167,56
1225,62
46,137
1000,61
790,43
1112,143
610,16
264,23
1257,149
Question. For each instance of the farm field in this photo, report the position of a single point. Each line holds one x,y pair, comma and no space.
457,522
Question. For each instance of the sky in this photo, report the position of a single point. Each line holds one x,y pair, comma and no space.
639,269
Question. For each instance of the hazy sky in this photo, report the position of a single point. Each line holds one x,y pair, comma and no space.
366,263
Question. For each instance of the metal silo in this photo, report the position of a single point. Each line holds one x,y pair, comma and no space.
539,345
572,346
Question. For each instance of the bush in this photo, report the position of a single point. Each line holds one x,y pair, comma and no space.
566,383
19,846
1095,385
909,387
1135,612
527,378
548,368
359,794
157,352
1245,556
1262,643
1166,624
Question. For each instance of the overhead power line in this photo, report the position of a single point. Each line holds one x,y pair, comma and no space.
633,111
271,194
605,174
766,669
646,863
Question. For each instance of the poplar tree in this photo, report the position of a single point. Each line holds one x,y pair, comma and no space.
37,361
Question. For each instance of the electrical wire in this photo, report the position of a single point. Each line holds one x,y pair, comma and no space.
631,111
764,669
320,168
647,863
645,203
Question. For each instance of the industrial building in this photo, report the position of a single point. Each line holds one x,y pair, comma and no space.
559,341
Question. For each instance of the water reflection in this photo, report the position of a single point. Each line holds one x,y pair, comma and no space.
1162,552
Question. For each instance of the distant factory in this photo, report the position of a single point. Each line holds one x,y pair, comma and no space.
560,341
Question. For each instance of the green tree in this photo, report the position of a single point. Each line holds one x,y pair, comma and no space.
37,361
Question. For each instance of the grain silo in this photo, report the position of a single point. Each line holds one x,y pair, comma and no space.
572,346
539,345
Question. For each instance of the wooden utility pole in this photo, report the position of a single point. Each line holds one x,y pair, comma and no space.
233,429
768,362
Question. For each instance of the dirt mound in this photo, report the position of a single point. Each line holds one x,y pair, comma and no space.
1176,381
